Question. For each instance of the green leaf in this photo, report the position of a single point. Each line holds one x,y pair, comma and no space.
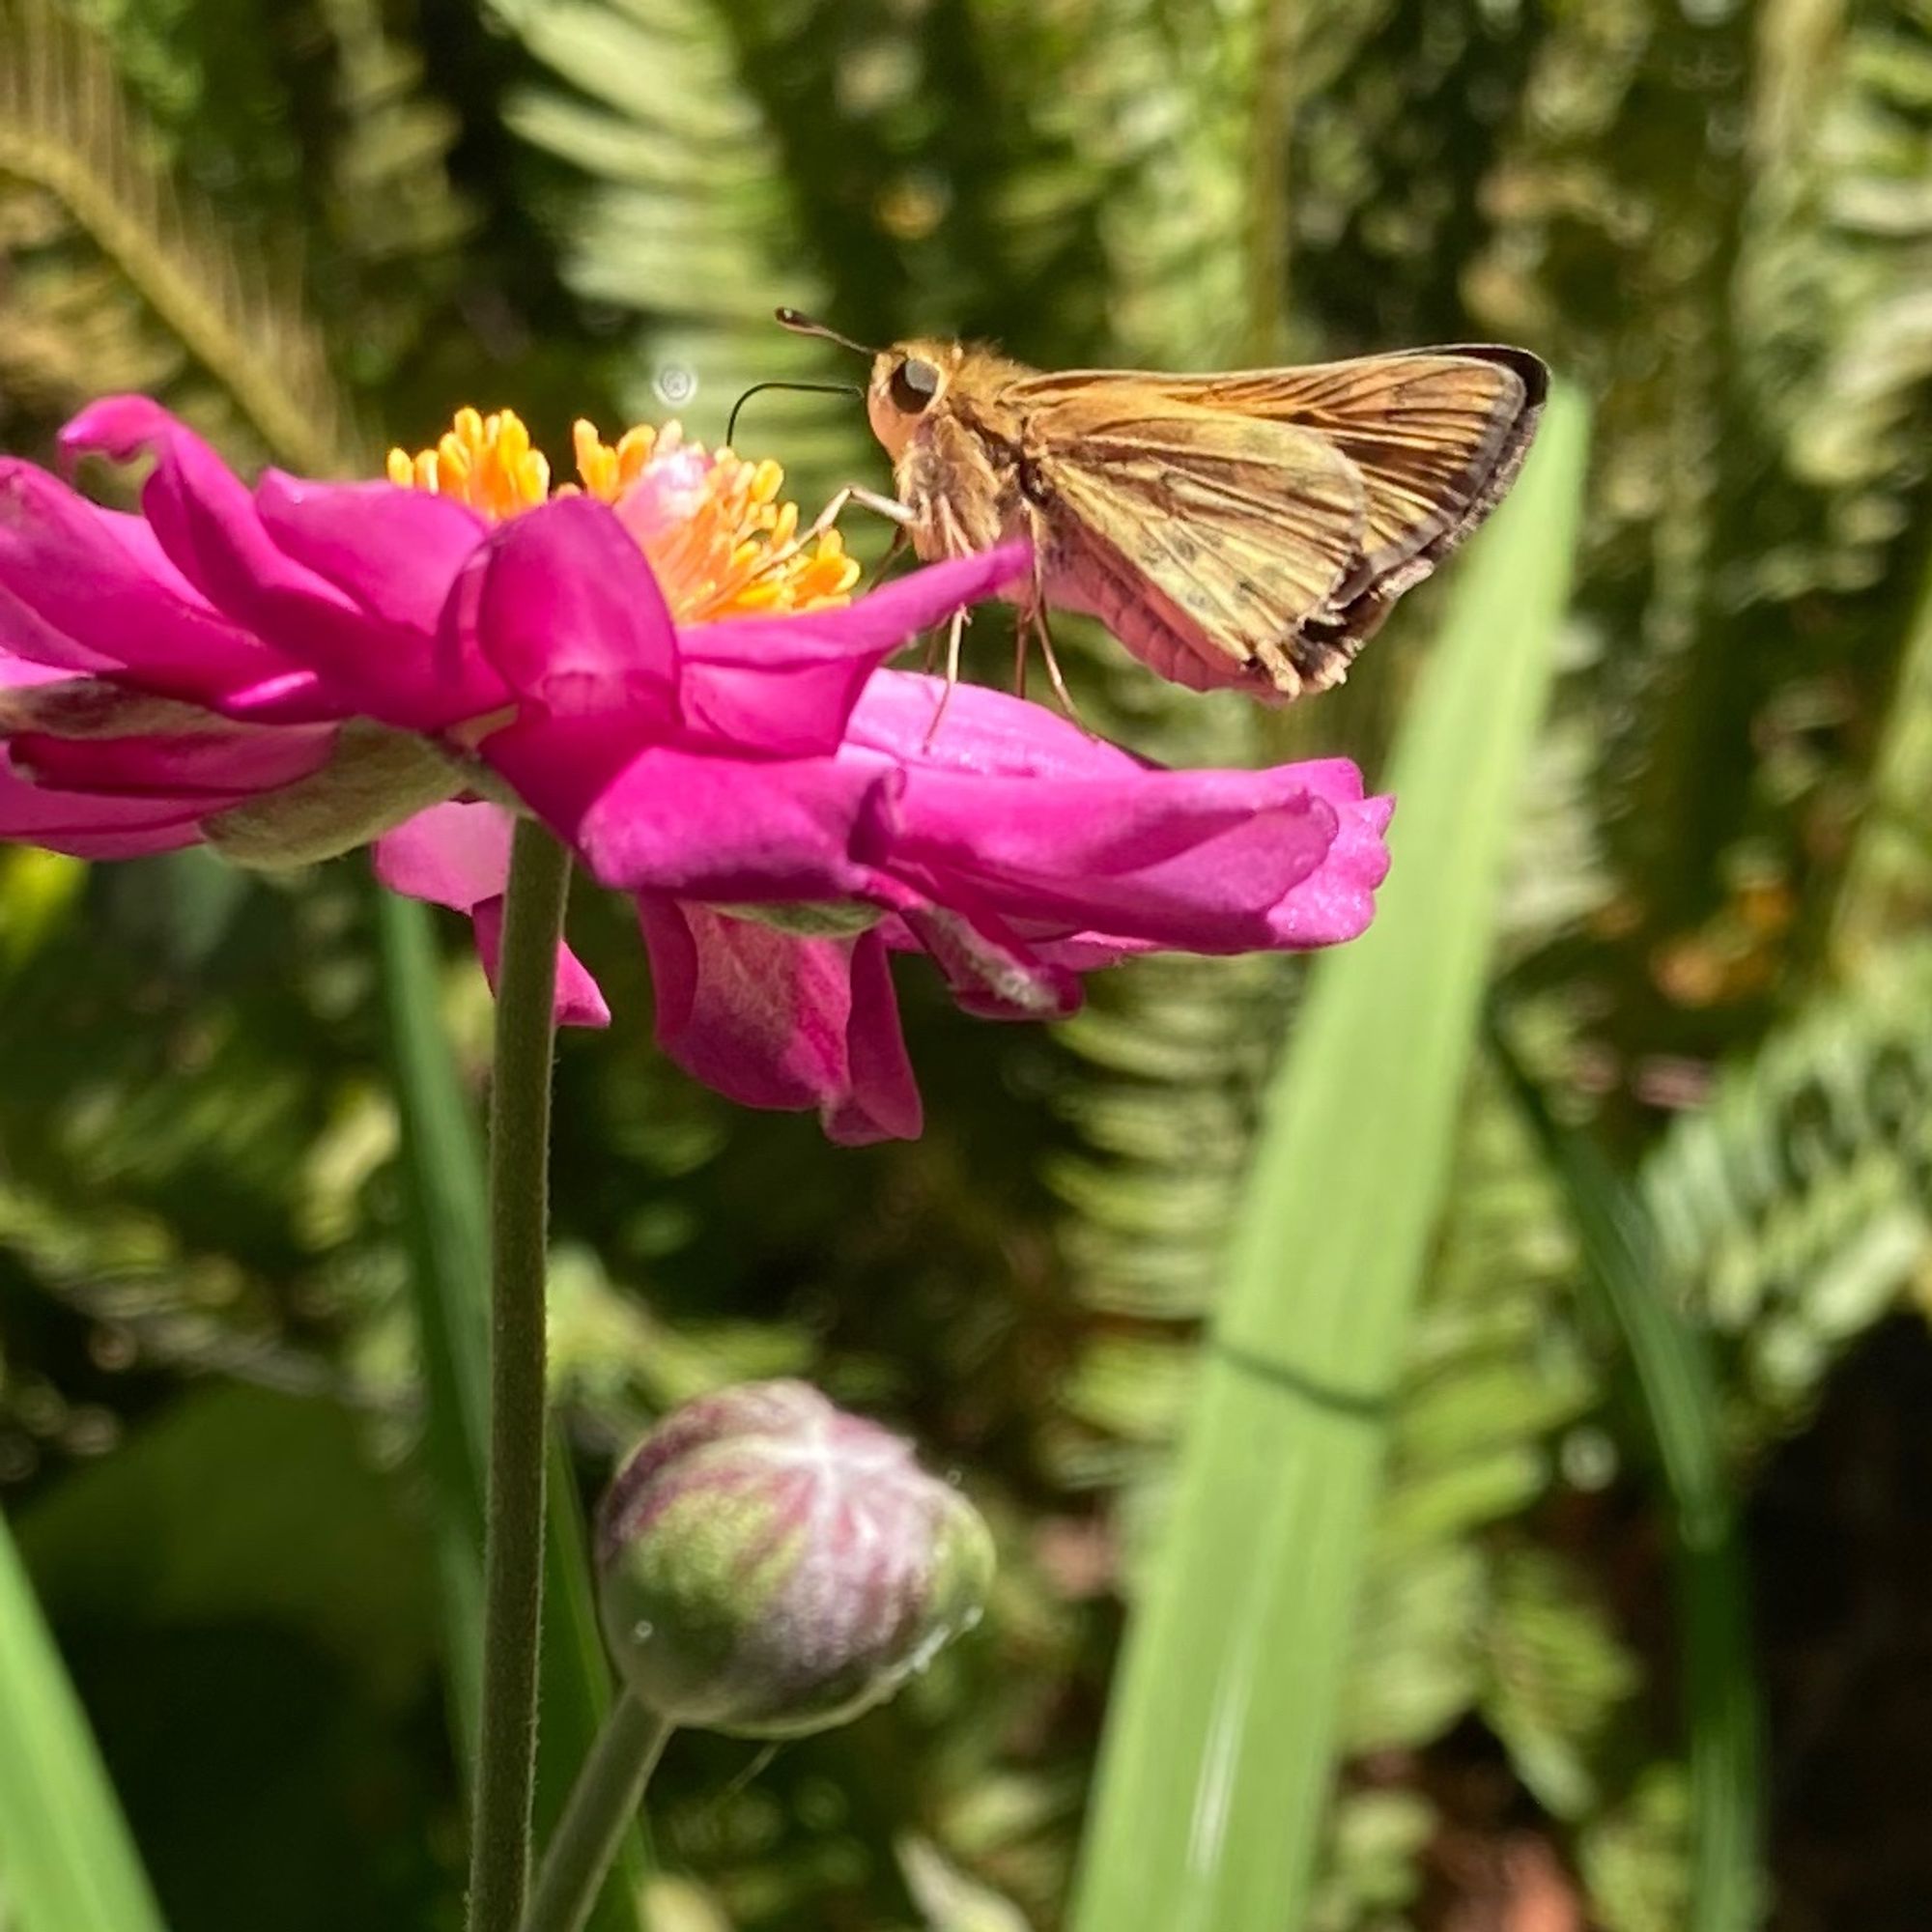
448,1228
1216,1763
67,1864
180,1522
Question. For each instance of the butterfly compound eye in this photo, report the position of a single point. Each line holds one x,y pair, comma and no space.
914,384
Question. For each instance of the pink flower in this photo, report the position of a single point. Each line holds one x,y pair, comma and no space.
785,816
283,673
660,669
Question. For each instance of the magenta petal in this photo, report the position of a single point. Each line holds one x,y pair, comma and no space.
1195,860
979,730
562,767
219,766
394,551
94,828
883,1102
785,686
203,514
579,1001
26,637
718,828
1006,804
75,593
569,613
19,674
397,553
872,625
287,697
458,856
795,710
451,855
771,1020
1337,900
209,525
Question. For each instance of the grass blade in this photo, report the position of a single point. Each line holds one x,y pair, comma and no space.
66,1861
448,1232
1217,1765
1668,1356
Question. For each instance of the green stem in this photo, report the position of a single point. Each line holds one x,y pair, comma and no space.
514,1530
603,1802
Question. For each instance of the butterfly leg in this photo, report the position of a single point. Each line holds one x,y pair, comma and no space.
884,563
889,507
955,629
1031,622
1037,622
953,543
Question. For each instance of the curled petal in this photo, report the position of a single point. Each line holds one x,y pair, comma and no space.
203,514
1337,900
459,856
786,685
81,589
397,553
709,826
1196,860
772,1020
579,1000
211,528
979,730
568,613
94,828
219,767
873,625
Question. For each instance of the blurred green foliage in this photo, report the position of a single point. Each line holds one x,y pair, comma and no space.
312,225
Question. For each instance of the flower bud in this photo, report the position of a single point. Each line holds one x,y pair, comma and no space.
769,1565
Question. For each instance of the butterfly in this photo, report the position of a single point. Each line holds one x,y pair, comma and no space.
1249,530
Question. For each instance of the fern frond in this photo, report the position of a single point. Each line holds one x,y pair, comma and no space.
1795,1209
688,219
66,127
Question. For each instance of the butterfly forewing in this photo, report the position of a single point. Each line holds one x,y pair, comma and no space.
1438,434
1434,436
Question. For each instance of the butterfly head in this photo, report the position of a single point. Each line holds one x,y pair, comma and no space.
909,380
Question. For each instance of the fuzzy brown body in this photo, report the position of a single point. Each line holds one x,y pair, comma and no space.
1249,530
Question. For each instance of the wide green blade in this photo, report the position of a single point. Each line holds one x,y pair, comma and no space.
1217,1764
448,1229
66,1862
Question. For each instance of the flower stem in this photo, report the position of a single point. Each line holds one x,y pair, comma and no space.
514,1531
603,1802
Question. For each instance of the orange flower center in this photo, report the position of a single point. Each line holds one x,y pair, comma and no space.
718,539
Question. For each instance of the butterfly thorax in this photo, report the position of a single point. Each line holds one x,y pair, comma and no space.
944,413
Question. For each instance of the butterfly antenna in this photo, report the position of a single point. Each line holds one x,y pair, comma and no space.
803,325
812,388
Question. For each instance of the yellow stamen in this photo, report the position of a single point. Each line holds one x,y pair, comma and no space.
720,540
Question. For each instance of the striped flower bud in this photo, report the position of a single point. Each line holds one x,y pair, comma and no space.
769,1565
